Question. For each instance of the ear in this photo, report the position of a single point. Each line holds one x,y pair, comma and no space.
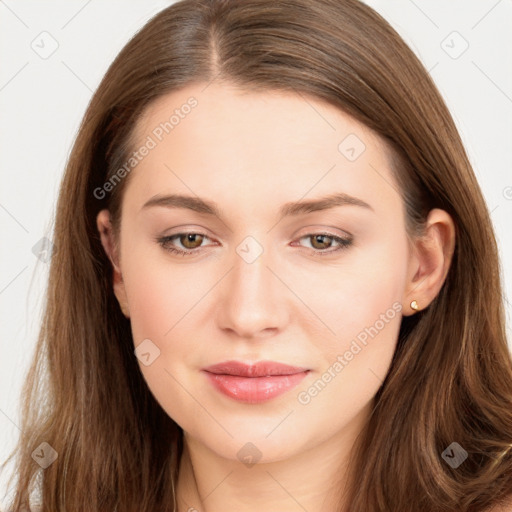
430,261
111,249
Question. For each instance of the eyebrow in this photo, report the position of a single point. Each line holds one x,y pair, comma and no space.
200,205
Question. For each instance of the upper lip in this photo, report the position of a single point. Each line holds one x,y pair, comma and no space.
259,369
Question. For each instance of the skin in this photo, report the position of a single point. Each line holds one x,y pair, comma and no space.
251,152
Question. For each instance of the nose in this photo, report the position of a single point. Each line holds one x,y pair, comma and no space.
252,302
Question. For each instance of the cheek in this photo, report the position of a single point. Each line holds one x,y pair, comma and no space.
159,294
363,289
362,308
161,299
354,361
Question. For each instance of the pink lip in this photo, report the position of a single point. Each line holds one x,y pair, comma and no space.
254,383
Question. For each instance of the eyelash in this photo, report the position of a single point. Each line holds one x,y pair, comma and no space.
344,243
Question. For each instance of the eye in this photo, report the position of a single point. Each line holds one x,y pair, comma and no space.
190,242
322,241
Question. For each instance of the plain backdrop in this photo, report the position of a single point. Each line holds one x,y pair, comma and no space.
53,56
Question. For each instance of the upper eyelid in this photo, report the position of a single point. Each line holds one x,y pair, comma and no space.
312,229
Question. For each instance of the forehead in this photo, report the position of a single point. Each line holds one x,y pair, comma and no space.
211,139
280,119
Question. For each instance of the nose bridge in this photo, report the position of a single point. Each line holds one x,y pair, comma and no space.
250,299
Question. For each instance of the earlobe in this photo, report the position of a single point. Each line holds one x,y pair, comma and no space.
105,230
433,253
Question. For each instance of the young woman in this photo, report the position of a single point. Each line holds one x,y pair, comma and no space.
276,284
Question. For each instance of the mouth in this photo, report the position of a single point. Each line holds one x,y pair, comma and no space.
254,383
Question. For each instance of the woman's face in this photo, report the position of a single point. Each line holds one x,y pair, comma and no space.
269,276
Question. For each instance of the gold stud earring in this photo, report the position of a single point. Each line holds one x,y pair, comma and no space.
414,305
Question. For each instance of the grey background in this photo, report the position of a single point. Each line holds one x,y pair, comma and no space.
53,55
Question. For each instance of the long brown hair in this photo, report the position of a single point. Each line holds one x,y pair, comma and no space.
451,375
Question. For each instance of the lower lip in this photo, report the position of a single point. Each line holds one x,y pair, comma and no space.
255,389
